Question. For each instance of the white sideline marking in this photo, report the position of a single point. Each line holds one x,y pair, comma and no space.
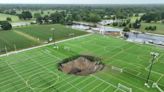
106,88
15,52
96,87
87,84
159,79
19,76
78,83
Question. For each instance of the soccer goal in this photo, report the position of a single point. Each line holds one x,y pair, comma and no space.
155,85
117,69
123,88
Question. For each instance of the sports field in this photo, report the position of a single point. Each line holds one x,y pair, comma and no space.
36,70
33,35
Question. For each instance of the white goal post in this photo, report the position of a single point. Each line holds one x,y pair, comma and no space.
123,88
117,69
155,85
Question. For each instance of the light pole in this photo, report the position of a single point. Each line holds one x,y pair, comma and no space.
154,55
53,33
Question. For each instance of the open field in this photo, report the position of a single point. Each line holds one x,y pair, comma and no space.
16,40
4,16
44,32
160,27
36,70
25,37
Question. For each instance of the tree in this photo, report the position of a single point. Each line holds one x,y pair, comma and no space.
5,25
115,24
153,28
26,15
147,28
93,18
39,20
130,25
137,24
149,17
46,19
150,28
126,29
124,24
69,19
8,19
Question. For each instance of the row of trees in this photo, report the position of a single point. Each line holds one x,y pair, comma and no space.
127,23
155,16
64,17
150,28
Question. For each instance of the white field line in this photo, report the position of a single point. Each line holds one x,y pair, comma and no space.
159,79
35,69
125,82
26,36
23,50
87,84
73,80
103,81
19,75
52,72
96,87
78,83
106,88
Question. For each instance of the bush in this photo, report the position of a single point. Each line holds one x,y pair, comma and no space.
115,24
150,28
5,25
8,19
126,29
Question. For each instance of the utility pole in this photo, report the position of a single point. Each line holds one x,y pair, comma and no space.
15,47
6,50
53,33
154,55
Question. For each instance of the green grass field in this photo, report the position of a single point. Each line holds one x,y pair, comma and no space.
36,70
18,40
4,16
43,32
160,27
25,37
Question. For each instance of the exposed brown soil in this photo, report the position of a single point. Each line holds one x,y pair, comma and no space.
81,66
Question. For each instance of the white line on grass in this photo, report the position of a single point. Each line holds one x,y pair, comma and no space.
106,88
19,75
87,84
23,50
96,87
78,83
159,79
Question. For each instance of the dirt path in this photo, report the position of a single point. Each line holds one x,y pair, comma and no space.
27,36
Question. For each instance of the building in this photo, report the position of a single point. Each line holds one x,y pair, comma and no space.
84,23
80,27
110,31
18,24
108,22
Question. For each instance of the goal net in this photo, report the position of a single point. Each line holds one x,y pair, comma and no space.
155,85
123,88
117,69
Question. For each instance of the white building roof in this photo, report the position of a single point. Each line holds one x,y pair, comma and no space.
110,29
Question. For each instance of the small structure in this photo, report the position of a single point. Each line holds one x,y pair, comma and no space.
80,27
109,22
84,23
110,31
